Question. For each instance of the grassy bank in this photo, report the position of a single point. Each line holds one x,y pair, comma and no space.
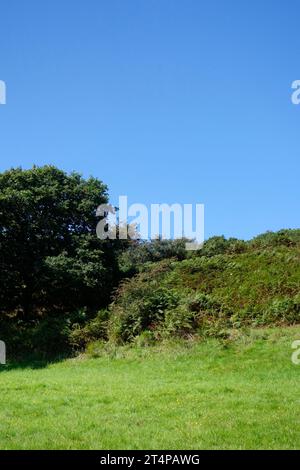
210,295
237,394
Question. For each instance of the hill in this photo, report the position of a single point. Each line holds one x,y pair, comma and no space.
228,285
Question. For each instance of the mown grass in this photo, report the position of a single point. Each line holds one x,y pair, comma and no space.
241,394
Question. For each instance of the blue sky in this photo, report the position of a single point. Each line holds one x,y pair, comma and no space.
165,101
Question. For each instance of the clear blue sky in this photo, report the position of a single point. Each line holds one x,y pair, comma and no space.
164,100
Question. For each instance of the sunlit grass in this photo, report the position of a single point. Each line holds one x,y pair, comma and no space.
211,395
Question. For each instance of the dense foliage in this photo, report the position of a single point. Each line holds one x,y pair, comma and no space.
227,285
54,270
63,288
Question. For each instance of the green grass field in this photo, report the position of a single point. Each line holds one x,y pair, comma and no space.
241,395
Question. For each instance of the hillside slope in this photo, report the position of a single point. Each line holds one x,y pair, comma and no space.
224,287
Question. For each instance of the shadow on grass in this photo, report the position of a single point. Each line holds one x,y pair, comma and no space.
32,363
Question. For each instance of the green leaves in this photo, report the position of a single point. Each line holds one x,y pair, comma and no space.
51,260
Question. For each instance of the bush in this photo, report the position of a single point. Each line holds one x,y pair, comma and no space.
141,253
140,305
285,310
220,245
179,321
138,315
51,337
145,339
275,239
95,329
214,246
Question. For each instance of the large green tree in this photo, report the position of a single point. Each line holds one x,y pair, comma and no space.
51,259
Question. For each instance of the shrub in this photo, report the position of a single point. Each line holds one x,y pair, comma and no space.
286,310
145,339
140,253
140,305
274,239
214,246
51,337
219,245
143,314
95,329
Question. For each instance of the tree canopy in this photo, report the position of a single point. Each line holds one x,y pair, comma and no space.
51,259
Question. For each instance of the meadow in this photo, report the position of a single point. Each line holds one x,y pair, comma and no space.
242,393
